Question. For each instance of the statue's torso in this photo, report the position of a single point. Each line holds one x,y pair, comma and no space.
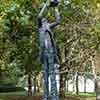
44,35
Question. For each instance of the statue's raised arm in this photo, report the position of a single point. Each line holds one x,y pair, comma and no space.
54,4
57,18
43,7
42,10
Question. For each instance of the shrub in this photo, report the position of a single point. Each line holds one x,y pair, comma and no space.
10,88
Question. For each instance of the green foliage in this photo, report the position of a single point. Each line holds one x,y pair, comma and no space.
18,38
78,34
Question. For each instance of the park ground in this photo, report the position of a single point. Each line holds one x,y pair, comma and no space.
39,98
21,96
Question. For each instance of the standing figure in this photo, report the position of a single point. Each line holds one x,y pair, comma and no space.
48,49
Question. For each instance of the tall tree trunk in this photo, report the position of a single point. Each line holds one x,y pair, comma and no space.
29,84
34,84
73,83
62,85
67,85
62,75
77,83
97,89
84,84
38,87
97,80
95,86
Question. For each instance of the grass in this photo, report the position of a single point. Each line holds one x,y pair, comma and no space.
82,95
5,96
87,95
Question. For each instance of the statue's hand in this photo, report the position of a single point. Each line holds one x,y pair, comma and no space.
54,3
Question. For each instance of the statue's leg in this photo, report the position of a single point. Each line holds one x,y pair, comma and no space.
54,93
46,82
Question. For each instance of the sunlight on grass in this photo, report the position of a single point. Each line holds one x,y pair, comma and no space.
82,95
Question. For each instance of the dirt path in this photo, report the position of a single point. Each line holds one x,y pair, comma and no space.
88,99
40,97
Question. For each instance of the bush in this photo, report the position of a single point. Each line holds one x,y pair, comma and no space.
10,88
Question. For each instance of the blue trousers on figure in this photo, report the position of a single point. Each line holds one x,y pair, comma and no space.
49,71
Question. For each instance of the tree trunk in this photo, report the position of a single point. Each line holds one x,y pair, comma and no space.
97,89
29,84
62,75
97,81
84,84
34,84
38,87
73,83
62,85
77,89
95,86
67,85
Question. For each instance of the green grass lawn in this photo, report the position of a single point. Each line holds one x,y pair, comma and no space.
87,95
6,95
82,95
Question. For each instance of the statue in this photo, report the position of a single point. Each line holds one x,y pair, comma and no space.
48,49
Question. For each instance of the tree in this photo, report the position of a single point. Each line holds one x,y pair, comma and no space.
19,31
